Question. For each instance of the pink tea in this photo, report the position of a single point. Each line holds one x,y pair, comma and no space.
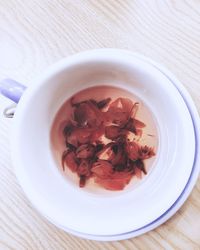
104,136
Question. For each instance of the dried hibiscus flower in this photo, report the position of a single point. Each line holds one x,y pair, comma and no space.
85,151
98,144
69,160
132,149
113,132
87,114
146,152
102,169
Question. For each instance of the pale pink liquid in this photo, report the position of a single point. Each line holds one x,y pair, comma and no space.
149,137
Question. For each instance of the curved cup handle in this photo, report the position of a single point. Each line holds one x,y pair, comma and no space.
12,90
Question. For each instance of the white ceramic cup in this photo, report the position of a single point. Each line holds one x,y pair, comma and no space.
68,206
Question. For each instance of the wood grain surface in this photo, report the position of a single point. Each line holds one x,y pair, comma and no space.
35,34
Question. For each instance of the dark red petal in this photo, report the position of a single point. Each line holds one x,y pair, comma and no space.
138,173
139,132
84,168
83,114
72,138
138,124
88,114
127,104
85,135
116,104
102,169
82,181
132,149
69,159
68,128
97,134
74,103
125,176
99,147
134,109
103,103
110,184
73,122
146,152
80,136
117,116
93,102
130,125
113,132
117,181
85,151
120,158
140,164
99,115
70,147
106,153
64,155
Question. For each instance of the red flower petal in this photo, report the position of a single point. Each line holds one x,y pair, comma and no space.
82,181
134,109
68,128
69,160
88,114
127,104
138,173
130,125
146,152
139,132
121,110
83,114
117,181
113,132
97,133
119,158
140,165
102,169
85,151
80,136
116,115
103,103
106,153
138,124
84,168
134,125
132,149
109,184
126,176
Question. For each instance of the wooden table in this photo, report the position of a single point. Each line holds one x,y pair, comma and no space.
37,33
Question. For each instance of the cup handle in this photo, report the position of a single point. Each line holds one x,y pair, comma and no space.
12,90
